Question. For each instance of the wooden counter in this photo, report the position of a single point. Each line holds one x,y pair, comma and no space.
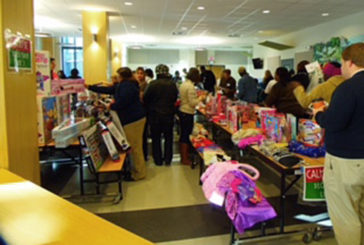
33,216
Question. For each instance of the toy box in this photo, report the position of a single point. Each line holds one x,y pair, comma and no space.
43,73
68,86
47,118
63,108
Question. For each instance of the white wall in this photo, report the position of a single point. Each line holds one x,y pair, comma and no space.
349,27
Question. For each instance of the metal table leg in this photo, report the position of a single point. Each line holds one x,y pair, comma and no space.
283,202
81,170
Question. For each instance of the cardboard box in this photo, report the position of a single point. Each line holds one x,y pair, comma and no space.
47,118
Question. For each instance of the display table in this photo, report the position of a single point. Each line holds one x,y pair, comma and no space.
76,160
282,170
31,215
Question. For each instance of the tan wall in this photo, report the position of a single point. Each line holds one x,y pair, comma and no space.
18,111
116,56
95,54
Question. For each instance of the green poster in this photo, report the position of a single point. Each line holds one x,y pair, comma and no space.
19,52
313,190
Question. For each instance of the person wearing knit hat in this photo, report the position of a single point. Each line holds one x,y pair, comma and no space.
247,87
324,91
160,98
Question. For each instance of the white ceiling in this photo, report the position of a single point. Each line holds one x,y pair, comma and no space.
156,20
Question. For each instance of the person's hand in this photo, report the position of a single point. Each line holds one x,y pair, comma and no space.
317,110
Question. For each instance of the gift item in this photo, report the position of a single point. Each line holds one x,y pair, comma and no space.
263,112
233,183
245,133
113,152
95,146
274,127
122,141
310,133
214,154
251,141
291,130
316,75
43,72
63,108
47,118
300,148
68,86
71,127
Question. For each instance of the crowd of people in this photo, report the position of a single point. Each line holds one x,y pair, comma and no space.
142,100
148,105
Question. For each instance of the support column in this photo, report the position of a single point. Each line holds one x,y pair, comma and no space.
116,55
18,109
95,46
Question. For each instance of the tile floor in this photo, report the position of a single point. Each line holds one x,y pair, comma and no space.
174,186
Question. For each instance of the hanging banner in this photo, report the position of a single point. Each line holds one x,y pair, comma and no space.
67,86
43,72
313,188
19,51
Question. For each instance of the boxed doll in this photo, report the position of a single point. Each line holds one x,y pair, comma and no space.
47,118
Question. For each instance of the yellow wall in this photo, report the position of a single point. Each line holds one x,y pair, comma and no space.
95,54
46,43
18,110
116,56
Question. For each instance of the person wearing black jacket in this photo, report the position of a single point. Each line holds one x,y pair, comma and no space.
160,98
344,162
302,75
131,114
208,79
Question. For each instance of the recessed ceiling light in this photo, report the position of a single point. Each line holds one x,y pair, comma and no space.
133,27
128,3
266,11
325,14
201,8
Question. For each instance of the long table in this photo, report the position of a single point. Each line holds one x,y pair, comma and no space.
76,146
31,215
282,170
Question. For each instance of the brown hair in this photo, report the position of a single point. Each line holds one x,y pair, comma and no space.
227,71
140,69
126,74
193,75
301,66
355,53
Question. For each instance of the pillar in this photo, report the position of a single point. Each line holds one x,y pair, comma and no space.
116,55
18,109
95,26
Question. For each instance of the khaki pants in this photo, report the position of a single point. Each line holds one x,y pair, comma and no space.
134,134
344,191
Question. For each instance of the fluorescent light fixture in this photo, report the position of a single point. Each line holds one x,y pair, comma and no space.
133,27
128,3
260,31
42,34
183,28
136,38
266,11
325,14
201,8
200,49
199,40
136,47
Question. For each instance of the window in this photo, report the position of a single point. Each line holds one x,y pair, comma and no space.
72,55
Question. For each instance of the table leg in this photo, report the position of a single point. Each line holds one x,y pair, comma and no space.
81,170
283,202
232,234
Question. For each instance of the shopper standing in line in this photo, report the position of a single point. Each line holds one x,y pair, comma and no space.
149,75
324,91
247,87
282,96
228,84
140,75
208,79
344,137
189,101
302,75
160,98
132,117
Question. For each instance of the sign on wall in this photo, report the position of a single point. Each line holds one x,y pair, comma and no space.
313,188
19,51
43,72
